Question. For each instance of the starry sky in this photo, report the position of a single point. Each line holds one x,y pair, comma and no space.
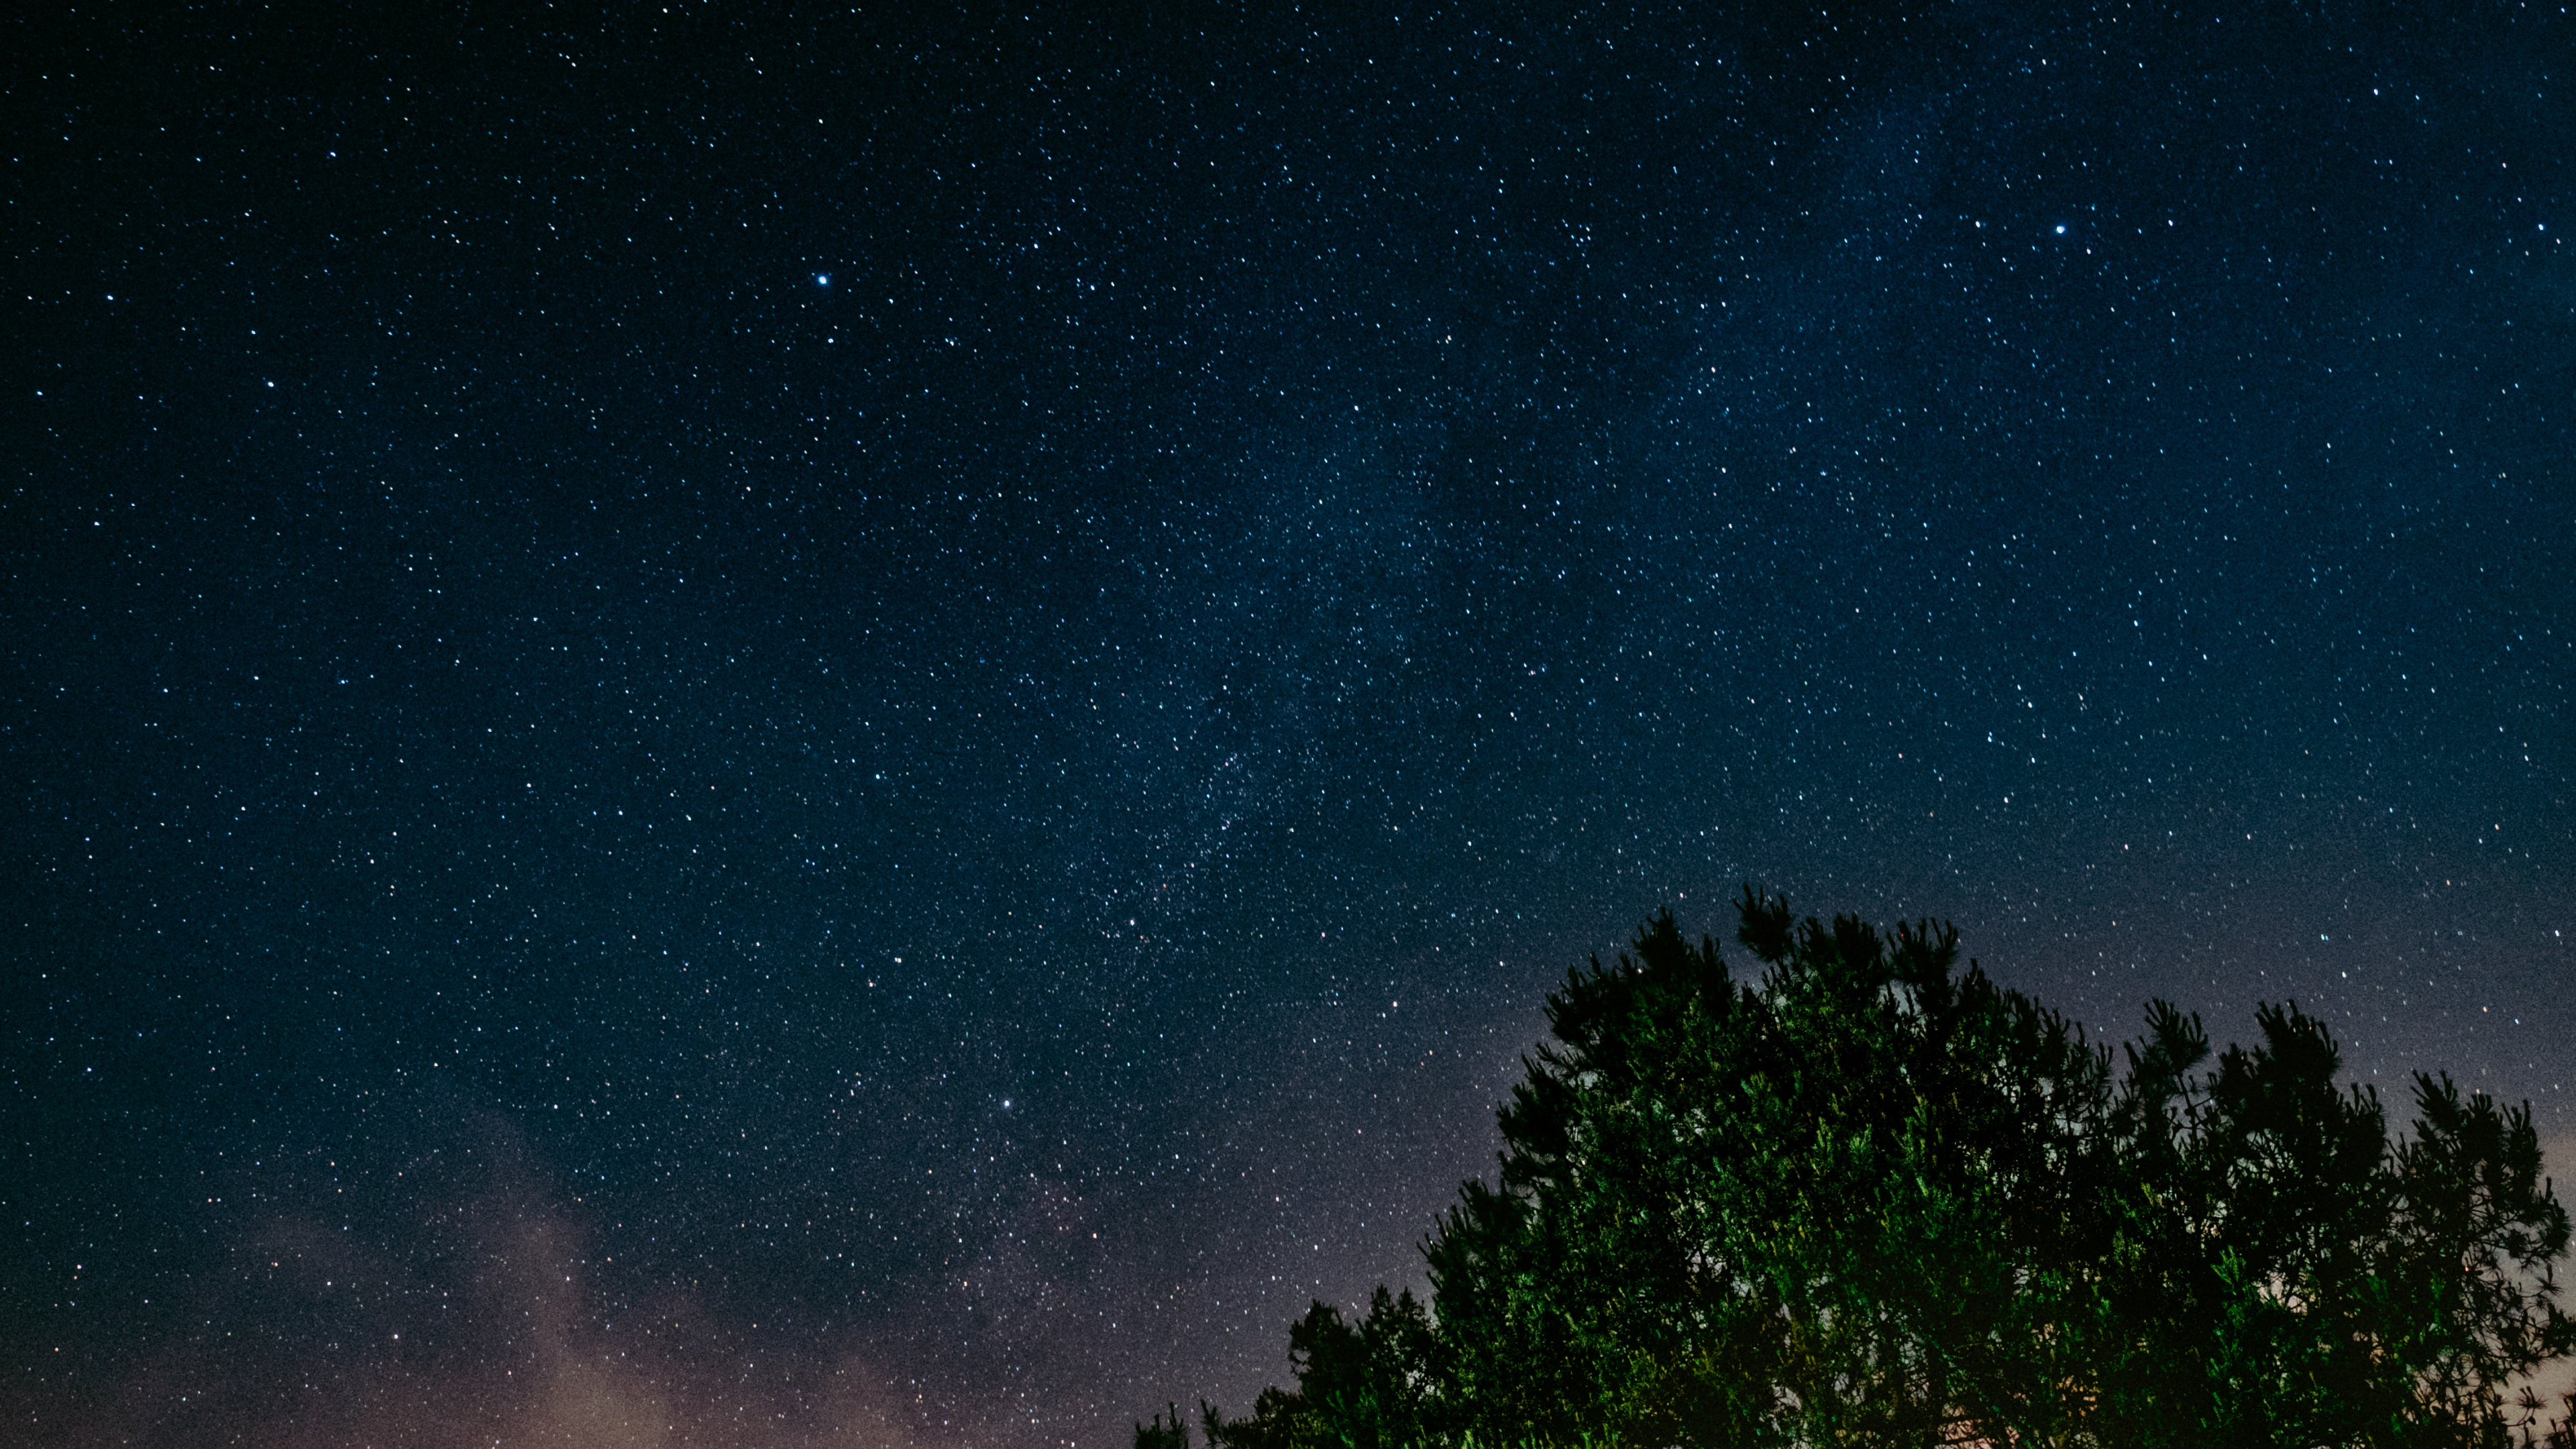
879,726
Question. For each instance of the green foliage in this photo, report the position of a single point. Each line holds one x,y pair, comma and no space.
1358,1387
1869,1198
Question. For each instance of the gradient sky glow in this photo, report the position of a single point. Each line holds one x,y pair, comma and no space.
849,728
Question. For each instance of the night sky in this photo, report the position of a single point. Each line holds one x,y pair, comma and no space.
880,727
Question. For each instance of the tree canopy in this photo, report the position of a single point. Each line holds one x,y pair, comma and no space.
1865,1197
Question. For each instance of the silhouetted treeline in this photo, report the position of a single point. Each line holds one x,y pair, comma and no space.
1867,1198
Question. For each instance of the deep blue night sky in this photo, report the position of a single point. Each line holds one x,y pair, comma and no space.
849,727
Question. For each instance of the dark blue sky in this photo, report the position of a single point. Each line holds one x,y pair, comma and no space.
841,725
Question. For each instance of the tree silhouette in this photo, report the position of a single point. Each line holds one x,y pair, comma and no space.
1867,1197
1164,1433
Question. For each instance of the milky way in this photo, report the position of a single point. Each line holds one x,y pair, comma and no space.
838,728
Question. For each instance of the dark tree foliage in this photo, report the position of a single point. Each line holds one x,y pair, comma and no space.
1164,1432
1363,1386
1868,1198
